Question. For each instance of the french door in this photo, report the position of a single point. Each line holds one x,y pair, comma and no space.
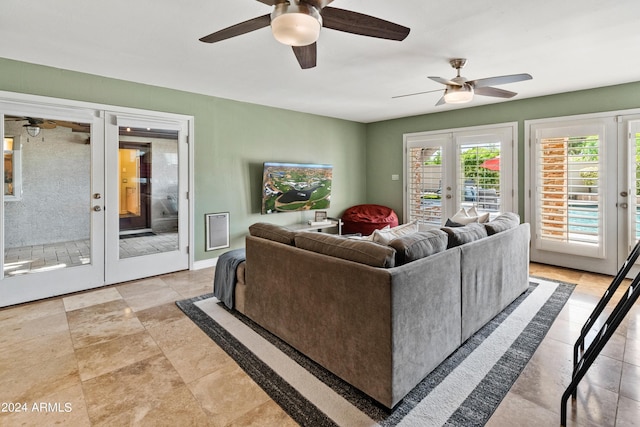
90,198
52,231
147,219
583,181
471,169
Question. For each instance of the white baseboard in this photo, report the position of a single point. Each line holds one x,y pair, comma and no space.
205,263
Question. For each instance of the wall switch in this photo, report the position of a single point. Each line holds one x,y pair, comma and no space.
395,177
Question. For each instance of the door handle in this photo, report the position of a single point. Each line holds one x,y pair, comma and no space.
624,194
623,205
97,208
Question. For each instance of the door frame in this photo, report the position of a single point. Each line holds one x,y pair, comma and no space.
122,269
619,142
451,140
38,285
37,105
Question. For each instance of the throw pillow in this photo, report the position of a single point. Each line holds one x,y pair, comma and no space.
411,247
464,216
386,235
461,235
473,212
450,223
505,221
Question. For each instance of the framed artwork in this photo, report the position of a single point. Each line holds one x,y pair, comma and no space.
216,230
321,216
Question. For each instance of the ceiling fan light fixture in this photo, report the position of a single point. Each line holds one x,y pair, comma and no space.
296,24
33,130
458,94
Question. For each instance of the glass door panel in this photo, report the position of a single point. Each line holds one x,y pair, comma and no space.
47,217
575,224
52,217
148,191
147,178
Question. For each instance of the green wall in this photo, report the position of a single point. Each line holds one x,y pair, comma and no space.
385,139
232,140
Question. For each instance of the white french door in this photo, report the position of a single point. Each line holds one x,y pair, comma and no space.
147,184
90,197
446,171
583,181
629,189
52,231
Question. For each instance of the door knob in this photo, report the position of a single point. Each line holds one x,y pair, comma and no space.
623,205
97,208
624,194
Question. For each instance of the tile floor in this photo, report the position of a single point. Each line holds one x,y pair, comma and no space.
27,259
126,355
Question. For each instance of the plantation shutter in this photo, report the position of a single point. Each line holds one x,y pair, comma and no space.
568,197
424,184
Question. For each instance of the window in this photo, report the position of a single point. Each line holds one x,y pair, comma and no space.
12,176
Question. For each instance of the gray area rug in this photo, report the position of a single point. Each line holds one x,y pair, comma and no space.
475,407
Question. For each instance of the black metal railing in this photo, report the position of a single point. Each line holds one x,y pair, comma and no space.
582,363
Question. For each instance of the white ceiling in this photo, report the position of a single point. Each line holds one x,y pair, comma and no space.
565,45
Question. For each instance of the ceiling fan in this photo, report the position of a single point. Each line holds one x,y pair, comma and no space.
34,124
297,23
460,90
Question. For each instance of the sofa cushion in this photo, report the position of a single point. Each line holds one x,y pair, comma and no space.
360,251
277,233
505,221
411,247
461,235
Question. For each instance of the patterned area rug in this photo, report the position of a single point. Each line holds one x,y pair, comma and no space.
464,390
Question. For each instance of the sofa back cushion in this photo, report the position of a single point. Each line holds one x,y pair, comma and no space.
461,235
360,251
411,247
277,233
505,221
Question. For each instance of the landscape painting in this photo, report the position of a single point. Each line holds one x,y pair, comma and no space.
292,187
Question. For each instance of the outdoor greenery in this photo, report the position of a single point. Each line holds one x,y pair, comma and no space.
471,160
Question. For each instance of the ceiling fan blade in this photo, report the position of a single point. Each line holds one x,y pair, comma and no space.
441,101
238,29
494,91
306,55
417,93
500,80
270,2
445,81
364,25
48,124
74,126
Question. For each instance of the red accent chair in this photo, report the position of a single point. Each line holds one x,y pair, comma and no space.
365,219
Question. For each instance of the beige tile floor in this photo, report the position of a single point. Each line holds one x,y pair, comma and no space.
126,355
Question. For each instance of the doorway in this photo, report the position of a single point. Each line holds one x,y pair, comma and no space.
134,168
468,169
74,216
583,184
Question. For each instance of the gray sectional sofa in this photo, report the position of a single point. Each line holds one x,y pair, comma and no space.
382,317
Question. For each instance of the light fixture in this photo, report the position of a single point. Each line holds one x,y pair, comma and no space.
33,130
296,24
458,94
